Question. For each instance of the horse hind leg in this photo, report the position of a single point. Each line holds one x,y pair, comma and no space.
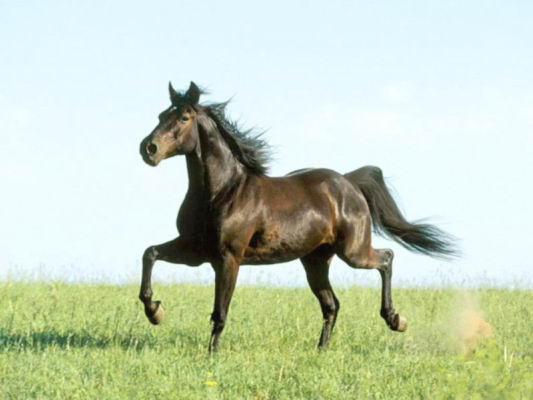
316,267
380,259
395,321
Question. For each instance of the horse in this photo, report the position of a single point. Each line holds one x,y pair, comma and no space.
234,214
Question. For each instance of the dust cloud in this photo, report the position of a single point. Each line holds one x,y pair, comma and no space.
469,325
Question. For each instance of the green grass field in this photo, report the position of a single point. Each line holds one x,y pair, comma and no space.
80,341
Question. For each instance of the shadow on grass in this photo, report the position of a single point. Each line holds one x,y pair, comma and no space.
41,340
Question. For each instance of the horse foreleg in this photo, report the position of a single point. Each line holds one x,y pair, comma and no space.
177,251
225,279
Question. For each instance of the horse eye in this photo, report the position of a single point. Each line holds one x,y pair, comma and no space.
184,119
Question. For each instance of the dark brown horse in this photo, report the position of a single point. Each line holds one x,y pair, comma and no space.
234,214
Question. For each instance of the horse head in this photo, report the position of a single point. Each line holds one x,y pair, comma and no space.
177,130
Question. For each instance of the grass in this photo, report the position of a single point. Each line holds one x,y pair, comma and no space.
79,341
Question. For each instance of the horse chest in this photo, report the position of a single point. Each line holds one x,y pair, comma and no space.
192,216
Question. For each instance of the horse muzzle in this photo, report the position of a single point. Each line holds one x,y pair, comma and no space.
148,152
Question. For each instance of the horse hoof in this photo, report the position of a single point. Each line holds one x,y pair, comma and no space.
400,323
157,316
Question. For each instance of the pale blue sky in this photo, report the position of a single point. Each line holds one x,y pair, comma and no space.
438,94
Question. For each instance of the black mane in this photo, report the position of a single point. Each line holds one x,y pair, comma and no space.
252,151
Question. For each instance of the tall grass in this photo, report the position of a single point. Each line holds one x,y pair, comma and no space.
79,341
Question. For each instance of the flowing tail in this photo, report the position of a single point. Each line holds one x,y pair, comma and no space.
387,219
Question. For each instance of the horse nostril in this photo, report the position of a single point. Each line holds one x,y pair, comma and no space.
151,148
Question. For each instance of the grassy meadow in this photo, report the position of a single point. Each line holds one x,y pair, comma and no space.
81,341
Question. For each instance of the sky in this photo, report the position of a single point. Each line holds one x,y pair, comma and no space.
437,94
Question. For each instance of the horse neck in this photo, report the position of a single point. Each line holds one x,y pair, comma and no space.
195,170
221,170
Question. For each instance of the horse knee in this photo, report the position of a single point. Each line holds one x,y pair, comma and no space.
150,255
219,321
330,308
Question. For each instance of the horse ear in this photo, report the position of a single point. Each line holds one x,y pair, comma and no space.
193,94
174,96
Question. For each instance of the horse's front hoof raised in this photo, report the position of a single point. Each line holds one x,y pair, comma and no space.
155,314
399,323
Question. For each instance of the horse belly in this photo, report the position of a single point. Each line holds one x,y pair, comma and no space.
276,246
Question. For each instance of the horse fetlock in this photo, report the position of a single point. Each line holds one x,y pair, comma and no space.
154,312
145,296
387,314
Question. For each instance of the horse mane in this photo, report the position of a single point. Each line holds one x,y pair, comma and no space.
246,145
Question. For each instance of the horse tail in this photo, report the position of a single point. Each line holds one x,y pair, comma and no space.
388,221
